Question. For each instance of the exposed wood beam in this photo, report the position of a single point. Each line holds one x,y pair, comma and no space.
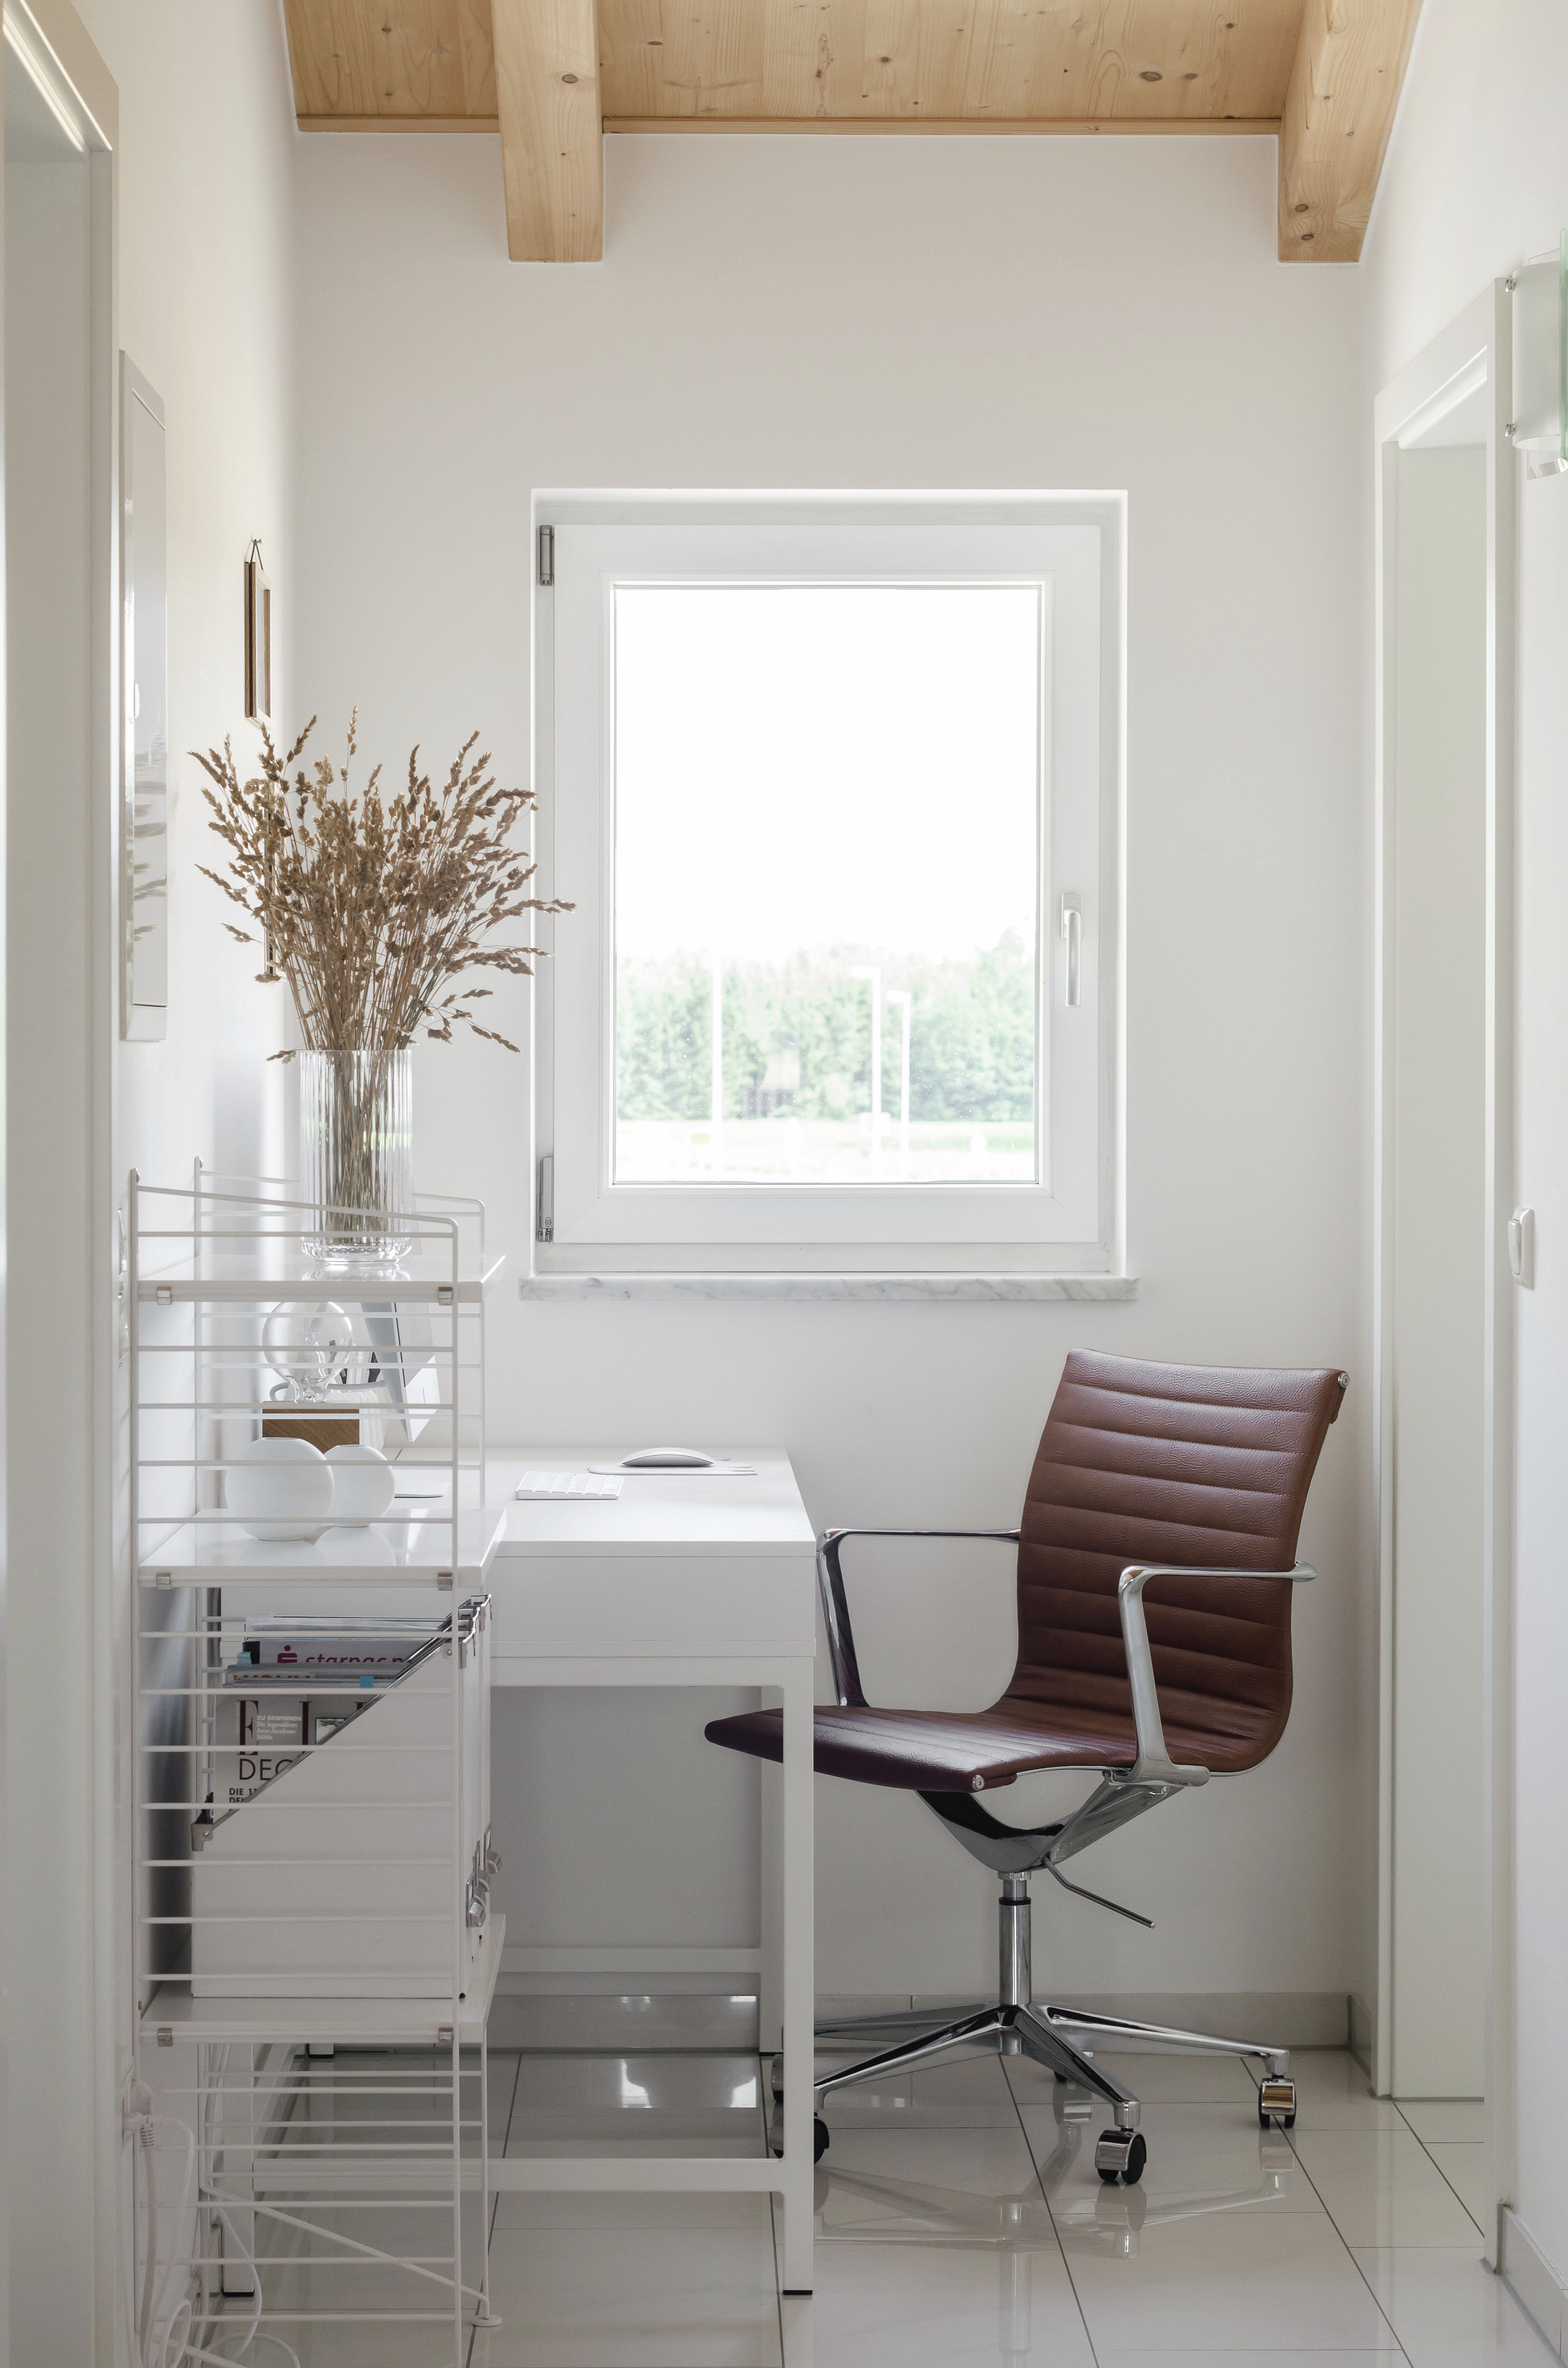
1333,132
547,91
916,127
816,126
490,123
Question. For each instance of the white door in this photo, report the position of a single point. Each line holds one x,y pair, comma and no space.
1438,955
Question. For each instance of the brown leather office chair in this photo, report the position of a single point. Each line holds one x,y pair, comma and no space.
1186,1481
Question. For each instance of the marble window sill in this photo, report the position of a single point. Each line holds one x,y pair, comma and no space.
994,1289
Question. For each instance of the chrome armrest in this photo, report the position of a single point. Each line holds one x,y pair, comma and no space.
1154,1764
847,1690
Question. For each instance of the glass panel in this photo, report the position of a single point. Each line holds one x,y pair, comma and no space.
827,883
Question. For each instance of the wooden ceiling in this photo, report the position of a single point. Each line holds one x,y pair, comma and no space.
551,76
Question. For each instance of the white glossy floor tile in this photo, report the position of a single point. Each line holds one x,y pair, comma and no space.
974,2186
953,2092
1333,2093
1448,2310
1460,2120
1211,2079
1252,2360
1381,2187
608,2213
583,2024
1222,2282
640,2296
1465,2167
919,2307
938,2247
1202,2157
646,2104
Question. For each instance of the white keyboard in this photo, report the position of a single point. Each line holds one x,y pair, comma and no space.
585,1486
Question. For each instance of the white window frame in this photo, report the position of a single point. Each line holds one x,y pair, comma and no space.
1072,545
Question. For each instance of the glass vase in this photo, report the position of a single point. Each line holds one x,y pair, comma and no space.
356,1156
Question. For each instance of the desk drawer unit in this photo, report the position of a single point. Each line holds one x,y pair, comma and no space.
673,1603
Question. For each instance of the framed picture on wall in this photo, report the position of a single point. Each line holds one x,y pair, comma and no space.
258,637
144,836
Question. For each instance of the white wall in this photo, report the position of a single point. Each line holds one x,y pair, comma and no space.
1477,181
926,313
204,257
205,312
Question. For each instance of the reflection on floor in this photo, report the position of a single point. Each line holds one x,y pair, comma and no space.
963,2225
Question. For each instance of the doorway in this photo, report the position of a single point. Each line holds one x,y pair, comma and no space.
1443,1306
59,558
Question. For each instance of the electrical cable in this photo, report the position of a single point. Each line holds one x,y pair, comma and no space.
189,2347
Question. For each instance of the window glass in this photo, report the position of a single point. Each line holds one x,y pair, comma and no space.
827,810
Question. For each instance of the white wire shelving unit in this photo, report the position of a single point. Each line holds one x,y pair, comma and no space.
315,1955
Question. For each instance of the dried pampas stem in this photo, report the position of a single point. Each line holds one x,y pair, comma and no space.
372,906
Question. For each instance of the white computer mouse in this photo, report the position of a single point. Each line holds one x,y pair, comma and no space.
666,1459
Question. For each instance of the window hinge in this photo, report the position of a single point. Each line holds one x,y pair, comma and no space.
547,554
544,1230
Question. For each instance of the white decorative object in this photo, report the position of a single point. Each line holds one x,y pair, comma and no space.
281,1488
363,1486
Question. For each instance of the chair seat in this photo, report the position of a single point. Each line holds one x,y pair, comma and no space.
945,1751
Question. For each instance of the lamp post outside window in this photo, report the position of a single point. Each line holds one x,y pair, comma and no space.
716,1139
901,996
871,972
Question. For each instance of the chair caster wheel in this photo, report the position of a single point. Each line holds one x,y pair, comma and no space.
1277,2104
819,2136
1119,2157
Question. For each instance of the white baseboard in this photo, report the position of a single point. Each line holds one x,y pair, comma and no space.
1278,2017
1534,2283
640,1961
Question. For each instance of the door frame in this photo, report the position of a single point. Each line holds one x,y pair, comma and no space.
90,1827
1472,356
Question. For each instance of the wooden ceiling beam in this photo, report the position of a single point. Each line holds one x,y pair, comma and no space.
1333,131
547,91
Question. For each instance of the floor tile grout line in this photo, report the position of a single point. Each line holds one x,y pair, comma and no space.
1447,2183
1290,2136
1060,2247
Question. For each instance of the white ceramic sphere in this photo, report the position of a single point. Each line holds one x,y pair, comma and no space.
363,1486
281,1488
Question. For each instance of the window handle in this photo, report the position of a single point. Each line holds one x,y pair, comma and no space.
1072,930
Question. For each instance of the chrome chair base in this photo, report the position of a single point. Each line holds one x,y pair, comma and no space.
1053,2036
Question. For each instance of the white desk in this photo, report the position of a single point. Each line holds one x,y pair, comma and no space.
683,1581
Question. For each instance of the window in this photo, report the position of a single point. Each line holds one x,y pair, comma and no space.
833,786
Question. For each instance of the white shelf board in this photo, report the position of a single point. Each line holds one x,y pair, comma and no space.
242,1279
411,1551
385,2022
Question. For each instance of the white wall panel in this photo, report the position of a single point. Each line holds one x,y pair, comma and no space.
928,313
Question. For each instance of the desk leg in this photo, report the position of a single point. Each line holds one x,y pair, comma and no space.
798,1979
770,1859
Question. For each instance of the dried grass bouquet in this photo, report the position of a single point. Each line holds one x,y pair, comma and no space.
376,910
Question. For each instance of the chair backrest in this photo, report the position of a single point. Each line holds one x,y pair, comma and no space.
1170,1463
